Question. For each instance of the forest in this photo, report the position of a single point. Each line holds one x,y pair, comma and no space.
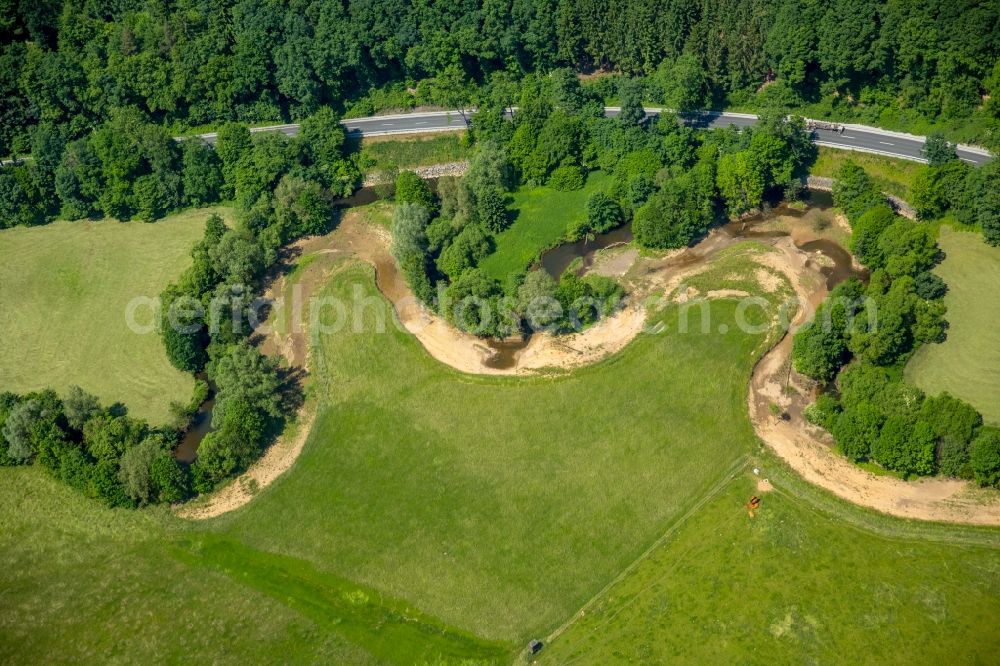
69,65
671,181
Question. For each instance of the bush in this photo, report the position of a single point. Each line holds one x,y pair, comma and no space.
75,469
905,447
169,479
603,213
412,189
854,192
105,485
465,251
135,466
985,457
230,448
857,430
491,207
409,248
818,352
823,412
567,177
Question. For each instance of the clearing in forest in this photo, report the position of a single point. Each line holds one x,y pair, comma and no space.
967,363
542,216
64,288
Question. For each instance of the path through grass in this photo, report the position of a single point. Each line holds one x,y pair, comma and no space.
500,504
792,584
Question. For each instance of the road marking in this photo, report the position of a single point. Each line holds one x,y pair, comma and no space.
844,136
966,159
424,122
886,143
387,124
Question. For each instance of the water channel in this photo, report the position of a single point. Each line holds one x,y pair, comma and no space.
837,267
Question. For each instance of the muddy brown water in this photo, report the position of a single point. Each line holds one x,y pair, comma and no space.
200,426
558,259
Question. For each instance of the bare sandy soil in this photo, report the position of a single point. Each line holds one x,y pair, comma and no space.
293,347
809,450
805,448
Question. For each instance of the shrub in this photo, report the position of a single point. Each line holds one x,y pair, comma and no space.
856,430
409,248
134,469
75,469
566,177
823,412
105,485
985,457
603,213
411,188
169,479
465,251
491,207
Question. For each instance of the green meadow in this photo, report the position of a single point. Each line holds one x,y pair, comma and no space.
542,218
64,290
435,518
967,363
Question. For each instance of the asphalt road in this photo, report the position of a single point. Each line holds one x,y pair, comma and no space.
854,137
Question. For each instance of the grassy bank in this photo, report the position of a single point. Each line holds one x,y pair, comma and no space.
421,150
500,504
435,517
542,216
64,289
792,584
892,175
967,363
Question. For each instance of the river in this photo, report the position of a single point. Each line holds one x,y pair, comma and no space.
581,254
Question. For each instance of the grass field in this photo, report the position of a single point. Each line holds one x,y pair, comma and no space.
85,584
967,364
415,151
542,218
511,500
794,584
64,288
892,175
436,517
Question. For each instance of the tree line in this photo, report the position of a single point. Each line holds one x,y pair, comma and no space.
949,185
671,181
184,64
862,336
128,168
283,188
100,451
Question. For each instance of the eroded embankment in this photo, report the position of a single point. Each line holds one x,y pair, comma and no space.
649,281
808,450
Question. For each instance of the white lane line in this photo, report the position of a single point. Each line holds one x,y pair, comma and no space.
844,136
423,122
966,159
387,124
886,143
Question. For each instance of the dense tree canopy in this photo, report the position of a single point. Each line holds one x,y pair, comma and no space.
186,63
